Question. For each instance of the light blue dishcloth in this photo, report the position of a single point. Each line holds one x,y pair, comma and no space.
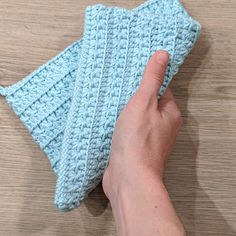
70,104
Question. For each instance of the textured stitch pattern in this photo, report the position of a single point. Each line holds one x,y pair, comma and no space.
105,84
70,104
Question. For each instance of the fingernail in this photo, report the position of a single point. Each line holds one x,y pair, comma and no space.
162,56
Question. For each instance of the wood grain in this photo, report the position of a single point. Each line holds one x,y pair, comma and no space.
201,173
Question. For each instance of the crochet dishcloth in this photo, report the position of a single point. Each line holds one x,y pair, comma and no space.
70,104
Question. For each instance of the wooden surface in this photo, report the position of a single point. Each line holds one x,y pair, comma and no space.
201,173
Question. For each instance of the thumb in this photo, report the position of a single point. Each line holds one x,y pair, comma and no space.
154,73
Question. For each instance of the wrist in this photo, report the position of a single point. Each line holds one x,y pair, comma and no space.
143,202
116,183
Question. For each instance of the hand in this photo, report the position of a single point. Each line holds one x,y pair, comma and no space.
143,138
145,131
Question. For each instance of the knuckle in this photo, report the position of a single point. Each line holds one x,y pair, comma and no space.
159,79
154,120
178,118
149,99
141,94
139,99
144,101
161,65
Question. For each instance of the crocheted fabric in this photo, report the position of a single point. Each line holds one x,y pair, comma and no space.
70,105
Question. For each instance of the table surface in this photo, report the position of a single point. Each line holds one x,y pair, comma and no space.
201,172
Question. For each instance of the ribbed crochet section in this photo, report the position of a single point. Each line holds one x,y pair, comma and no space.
70,105
105,84
42,100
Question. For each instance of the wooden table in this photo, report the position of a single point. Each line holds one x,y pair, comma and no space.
201,172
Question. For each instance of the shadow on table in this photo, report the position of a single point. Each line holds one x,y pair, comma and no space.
198,213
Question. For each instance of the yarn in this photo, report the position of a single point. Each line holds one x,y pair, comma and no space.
70,105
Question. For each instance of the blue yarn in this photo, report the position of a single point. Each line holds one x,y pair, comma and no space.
2,91
70,105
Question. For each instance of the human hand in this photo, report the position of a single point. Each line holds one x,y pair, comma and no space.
145,131
143,138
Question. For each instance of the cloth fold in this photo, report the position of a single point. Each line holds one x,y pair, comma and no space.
70,105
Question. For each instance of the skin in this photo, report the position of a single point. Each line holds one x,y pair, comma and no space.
143,138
